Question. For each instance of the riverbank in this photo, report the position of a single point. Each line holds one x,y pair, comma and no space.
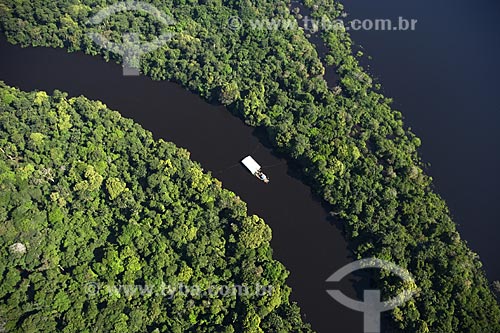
303,238
353,148
443,78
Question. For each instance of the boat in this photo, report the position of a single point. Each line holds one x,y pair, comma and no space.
254,168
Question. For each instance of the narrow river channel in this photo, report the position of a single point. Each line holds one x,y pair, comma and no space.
303,237
443,77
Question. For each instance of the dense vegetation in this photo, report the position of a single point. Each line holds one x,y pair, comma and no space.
351,145
89,201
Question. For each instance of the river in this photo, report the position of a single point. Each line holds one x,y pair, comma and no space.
303,237
444,79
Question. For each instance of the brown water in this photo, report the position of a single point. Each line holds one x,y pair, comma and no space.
303,238
443,77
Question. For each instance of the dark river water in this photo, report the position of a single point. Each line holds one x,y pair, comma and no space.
444,77
303,237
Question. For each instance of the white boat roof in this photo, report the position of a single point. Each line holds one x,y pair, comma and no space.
251,164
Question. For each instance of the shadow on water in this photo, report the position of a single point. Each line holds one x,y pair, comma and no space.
295,171
304,238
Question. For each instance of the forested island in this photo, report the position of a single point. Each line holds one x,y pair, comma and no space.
90,202
351,145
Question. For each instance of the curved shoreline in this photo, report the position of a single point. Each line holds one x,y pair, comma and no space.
303,238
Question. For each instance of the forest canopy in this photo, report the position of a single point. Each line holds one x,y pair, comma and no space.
350,144
90,202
